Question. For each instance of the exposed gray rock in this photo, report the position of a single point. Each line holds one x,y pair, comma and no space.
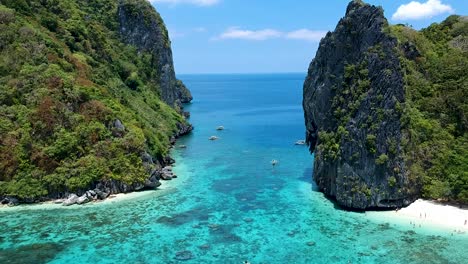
72,199
167,176
146,158
101,194
143,27
168,160
183,93
10,201
91,195
183,129
152,184
352,90
138,186
117,128
82,199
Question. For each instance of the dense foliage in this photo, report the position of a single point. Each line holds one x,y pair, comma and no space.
65,78
435,63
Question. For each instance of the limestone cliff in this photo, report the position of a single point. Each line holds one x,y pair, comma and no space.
351,98
142,26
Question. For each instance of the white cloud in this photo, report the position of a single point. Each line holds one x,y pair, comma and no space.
199,29
236,33
193,2
176,34
265,34
306,34
416,10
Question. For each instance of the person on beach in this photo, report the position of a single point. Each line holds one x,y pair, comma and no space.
466,221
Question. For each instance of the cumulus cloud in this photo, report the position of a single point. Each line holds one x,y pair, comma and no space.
193,2
306,34
265,34
416,10
236,33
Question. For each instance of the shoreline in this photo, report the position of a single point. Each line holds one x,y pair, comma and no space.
111,199
166,175
166,186
427,214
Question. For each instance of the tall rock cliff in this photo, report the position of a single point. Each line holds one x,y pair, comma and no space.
351,98
143,27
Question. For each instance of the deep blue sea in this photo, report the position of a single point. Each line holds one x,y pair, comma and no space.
229,204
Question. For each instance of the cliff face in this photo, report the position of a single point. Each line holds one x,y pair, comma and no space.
143,27
351,103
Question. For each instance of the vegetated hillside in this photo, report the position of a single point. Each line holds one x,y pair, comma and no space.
83,100
435,116
386,111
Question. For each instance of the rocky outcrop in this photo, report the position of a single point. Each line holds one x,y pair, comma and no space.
352,98
183,93
141,26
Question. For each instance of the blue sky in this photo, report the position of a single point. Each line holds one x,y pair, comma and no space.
269,36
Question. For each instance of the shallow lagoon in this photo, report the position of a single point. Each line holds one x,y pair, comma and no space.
228,204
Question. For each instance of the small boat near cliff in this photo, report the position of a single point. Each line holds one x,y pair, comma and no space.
300,142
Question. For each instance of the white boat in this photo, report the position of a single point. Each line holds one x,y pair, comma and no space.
300,142
213,138
274,162
220,128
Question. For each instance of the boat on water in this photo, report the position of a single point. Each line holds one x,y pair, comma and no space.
300,142
213,138
274,162
220,128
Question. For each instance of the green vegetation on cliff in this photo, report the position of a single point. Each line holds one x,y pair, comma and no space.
435,63
386,111
66,82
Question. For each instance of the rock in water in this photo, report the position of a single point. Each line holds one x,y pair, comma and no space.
184,255
351,93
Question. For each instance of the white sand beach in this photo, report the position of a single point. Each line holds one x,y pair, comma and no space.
167,186
56,204
423,213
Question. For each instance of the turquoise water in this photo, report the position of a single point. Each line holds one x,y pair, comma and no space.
228,204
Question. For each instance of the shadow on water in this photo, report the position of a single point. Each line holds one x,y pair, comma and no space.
308,176
175,220
224,234
34,253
